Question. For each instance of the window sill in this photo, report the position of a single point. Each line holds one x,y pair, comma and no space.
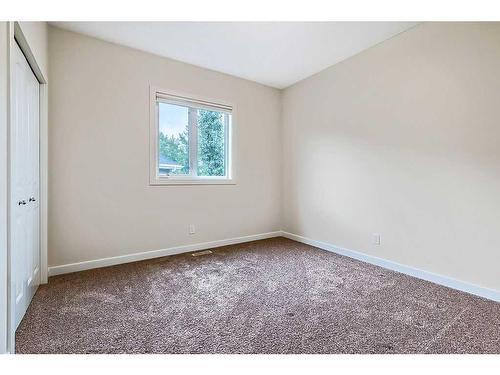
188,181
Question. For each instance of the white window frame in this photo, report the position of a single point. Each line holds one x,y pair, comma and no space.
169,96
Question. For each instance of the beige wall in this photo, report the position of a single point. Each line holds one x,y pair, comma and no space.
402,140
100,203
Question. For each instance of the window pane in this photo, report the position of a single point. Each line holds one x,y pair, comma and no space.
211,143
173,139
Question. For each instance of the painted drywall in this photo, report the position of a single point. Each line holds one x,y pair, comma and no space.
402,140
100,201
36,34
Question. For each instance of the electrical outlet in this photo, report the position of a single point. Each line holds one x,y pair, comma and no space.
192,229
377,240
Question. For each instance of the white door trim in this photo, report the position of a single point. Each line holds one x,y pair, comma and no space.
44,119
15,35
4,140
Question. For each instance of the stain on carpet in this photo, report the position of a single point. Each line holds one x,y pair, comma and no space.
269,296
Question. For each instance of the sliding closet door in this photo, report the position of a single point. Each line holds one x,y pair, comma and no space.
24,155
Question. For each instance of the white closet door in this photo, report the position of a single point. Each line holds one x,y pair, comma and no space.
24,155
34,175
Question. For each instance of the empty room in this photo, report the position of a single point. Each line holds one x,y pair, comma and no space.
202,187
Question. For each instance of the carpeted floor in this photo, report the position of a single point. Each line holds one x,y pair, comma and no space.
270,296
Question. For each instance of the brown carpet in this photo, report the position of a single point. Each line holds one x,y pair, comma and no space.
270,296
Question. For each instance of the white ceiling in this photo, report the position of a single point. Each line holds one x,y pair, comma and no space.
276,54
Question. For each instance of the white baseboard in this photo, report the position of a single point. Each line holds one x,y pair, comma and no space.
420,274
112,261
411,271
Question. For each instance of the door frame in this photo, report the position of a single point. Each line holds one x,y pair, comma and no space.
16,35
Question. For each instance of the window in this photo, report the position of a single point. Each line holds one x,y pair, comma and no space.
190,141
